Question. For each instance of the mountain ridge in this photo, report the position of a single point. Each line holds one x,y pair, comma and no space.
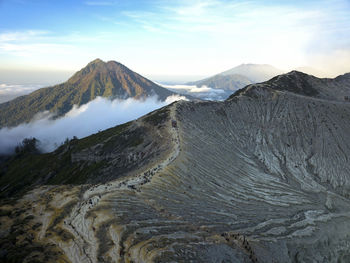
303,84
260,177
107,79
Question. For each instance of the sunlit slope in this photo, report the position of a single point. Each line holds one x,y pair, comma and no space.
106,79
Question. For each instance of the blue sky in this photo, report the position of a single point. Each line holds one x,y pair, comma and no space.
180,37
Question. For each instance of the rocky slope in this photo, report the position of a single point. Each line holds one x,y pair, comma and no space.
107,79
303,84
261,177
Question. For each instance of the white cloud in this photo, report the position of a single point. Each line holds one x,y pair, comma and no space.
8,92
21,35
191,36
90,118
205,89
28,50
33,43
211,34
192,88
178,87
174,98
203,92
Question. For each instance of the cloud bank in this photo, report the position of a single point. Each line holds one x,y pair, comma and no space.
9,92
204,92
82,121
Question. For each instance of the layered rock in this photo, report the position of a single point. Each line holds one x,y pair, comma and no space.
261,177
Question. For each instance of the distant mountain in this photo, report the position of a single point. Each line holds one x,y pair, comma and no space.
224,82
255,72
239,77
107,79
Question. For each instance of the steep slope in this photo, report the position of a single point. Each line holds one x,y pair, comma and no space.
261,177
98,78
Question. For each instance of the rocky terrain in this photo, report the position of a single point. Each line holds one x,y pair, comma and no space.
260,177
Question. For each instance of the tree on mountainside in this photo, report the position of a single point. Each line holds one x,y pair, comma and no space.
28,145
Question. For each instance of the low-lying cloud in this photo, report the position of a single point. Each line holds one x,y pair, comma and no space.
82,121
9,92
203,92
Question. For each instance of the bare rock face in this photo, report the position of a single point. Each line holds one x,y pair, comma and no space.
261,177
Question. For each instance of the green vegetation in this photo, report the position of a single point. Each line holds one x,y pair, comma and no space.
28,145
27,169
112,80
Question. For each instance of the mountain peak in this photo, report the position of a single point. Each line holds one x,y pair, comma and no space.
113,79
97,61
296,73
98,67
97,79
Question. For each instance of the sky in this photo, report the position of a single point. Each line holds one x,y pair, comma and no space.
169,39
